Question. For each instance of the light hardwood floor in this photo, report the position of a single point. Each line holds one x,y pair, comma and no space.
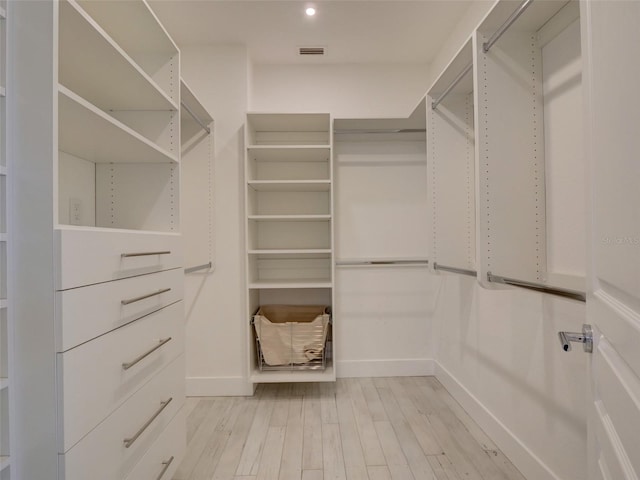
406,428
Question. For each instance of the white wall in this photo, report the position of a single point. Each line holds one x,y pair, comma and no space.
215,302
346,91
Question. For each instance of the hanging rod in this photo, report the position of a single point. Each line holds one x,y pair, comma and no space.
486,46
198,267
453,84
379,130
461,271
561,292
357,263
195,117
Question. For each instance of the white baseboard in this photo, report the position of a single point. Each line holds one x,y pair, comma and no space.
219,387
524,459
385,368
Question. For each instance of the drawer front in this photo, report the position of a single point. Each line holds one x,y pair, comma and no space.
93,256
87,312
164,456
103,454
93,379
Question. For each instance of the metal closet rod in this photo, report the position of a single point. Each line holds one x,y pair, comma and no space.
380,130
461,271
195,117
198,267
452,85
538,287
486,46
351,263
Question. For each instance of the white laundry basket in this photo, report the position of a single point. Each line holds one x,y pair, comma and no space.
292,337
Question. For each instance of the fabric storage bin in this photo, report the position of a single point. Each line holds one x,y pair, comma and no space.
292,336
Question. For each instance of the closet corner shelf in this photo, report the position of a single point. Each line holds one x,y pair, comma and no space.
289,218
290,284
62,226
5,461
89,133
326,375
290,185
92,63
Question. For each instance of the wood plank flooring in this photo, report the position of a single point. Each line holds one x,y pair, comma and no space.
406,428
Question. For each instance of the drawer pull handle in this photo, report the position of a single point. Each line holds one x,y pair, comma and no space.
165,468
128,365
148,295
145,254
130,441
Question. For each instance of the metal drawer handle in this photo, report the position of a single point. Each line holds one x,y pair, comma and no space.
165,468
130,441
145,254
148,295
128,365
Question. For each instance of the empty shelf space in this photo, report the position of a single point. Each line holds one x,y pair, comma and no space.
289,153
290,251
93,65
89,133
289,218
290,185
291,283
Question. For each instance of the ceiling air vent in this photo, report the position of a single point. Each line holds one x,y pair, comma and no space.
311,51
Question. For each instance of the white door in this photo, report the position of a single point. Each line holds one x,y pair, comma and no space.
611,41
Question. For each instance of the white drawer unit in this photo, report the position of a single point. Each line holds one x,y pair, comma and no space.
88,312
87,256
164,456
115,446
98,376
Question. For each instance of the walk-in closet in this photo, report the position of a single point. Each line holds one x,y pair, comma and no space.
281,240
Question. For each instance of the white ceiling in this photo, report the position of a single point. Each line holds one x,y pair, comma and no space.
353,31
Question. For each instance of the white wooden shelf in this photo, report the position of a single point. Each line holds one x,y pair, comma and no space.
3,170
289,218
3,237
125,20
291,283
112,230
290,185
188,98
89,133
5,461
93,65
3,303
285,147
4,383
3,91
326,375
290,251
3,14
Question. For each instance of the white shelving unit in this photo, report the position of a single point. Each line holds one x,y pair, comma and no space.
103,148
451,165
289,215
529,161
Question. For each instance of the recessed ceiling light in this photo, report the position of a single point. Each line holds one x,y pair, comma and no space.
310,11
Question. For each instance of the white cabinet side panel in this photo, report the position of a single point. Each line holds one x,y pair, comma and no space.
510,157
77,191
564,153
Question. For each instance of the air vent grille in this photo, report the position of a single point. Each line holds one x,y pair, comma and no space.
311,51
